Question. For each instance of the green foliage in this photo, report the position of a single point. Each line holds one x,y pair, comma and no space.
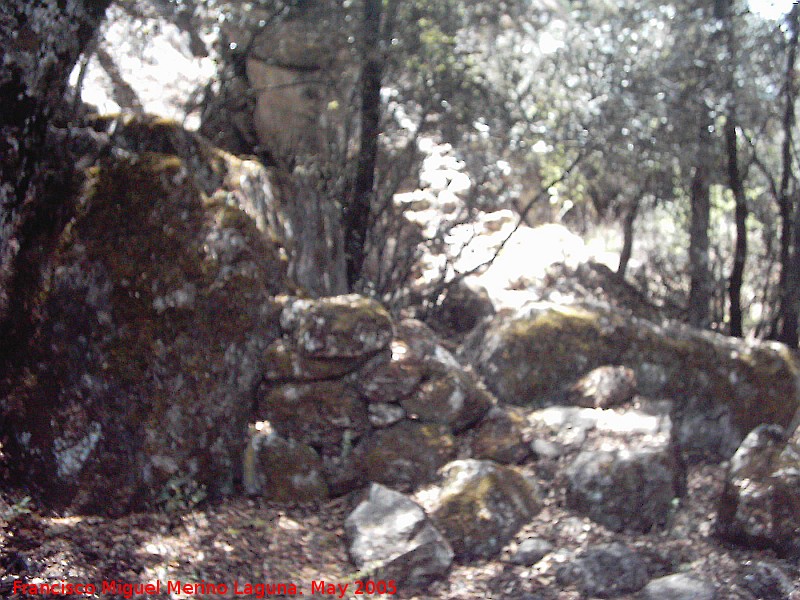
180,494
16,510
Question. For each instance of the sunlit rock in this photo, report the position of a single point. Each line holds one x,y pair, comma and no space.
533,356
392,539
480,505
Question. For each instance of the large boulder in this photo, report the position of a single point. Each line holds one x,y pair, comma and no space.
154,325
760,503
392,539
480,505
728,385
626,488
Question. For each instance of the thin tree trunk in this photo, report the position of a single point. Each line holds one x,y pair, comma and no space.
700,275
121,90
789,332
786,322
740,248
627,236
357,212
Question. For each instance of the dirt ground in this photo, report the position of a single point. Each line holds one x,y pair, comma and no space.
243,541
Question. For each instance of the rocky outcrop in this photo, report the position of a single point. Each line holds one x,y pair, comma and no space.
721,387
392,539
760,504
154,326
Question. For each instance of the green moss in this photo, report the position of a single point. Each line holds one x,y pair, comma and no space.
541,354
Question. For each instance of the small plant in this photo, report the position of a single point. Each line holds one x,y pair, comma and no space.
181,494
20,507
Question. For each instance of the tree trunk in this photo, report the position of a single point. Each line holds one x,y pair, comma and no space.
41,43
627,236
786,326
700,275
740,248
357,212
791,311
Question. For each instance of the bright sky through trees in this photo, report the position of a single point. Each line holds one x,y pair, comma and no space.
771,9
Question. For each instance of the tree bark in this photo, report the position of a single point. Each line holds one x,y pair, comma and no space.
786,326
357,212
41,43
627,237
700,275
740,248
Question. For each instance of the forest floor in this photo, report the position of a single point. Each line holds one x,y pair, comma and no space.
242,541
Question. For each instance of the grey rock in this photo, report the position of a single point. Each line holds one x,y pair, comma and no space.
449,396
405,454
280,469
392,537
760,503
392,380
531,551
499,437
766,581
625,489
383,414
328,415
604,387
605,571
679,586
547,449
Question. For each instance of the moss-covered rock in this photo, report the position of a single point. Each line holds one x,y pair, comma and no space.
155,322
481,505
501,436
528,358
327,415
534,356
395,379
328,338
337,327
281,469
405,455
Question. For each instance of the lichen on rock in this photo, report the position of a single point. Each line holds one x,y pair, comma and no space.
151,343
